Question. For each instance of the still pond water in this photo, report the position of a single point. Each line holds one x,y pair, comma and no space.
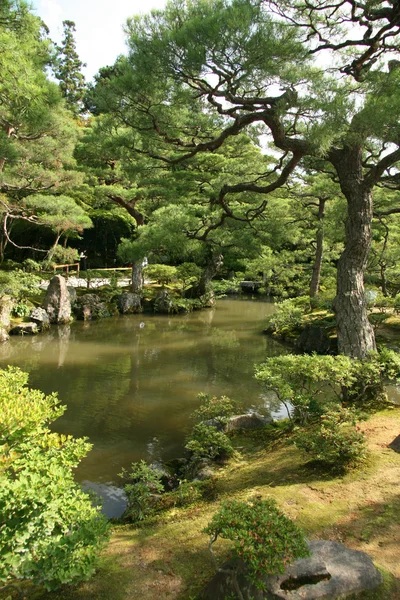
131,383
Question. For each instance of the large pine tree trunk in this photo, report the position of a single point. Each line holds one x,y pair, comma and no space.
213,265
355,333
316,274
137,276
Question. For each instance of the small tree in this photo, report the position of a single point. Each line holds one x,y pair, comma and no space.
50,533
265,540
68,70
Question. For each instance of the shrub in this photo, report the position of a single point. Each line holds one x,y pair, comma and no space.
207,442
31,266
263,537
213,408
303,380
142,485
188,273
61,255
163,274
335,441
288,318
221,287
18,284
50,532
21,310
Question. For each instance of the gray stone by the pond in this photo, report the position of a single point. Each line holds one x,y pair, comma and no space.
247,421
72,294
341,571
25,329
40,316
89,307
395,445
3,335
6,306
129,303
163,302
315,339
57,302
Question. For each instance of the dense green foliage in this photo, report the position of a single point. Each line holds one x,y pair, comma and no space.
263,537
49,531
142,483
335,441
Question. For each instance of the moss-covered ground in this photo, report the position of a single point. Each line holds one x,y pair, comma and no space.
169,560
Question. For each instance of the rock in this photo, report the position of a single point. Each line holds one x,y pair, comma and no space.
3,335
316,339
25,329
247,421
6,306
40,316
163,302
129,303
332,571
395,445
72,294
89,307
57,302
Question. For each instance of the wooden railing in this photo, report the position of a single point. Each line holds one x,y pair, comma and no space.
67,266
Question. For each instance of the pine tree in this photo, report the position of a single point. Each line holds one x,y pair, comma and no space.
68,70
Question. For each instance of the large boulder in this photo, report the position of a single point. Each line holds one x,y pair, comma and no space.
129,303
6,306
40,316
72,294
25,329
3,335
90,307
57,302
163,302
332,571
247,421
316,339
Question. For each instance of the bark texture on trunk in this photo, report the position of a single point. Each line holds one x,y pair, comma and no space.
355,333
137,278
316,274
212,268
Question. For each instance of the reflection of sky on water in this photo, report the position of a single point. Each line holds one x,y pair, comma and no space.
130,380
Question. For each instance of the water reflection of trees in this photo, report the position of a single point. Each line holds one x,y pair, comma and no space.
127,381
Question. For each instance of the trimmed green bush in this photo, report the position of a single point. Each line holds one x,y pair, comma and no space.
263,537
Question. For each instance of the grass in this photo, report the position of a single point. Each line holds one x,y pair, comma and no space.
168,559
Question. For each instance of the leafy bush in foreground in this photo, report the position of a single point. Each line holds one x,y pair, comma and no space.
335,441
142,485
206,441
214,408
263,537
49,531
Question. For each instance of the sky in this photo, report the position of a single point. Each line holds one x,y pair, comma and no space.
99,35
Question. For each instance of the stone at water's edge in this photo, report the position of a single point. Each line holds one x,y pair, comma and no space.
3,335
332,571
6,306
57,302
90,307
163,302
247,421
129,303
40,316
25,329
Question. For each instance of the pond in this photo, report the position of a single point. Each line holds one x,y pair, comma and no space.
131,383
